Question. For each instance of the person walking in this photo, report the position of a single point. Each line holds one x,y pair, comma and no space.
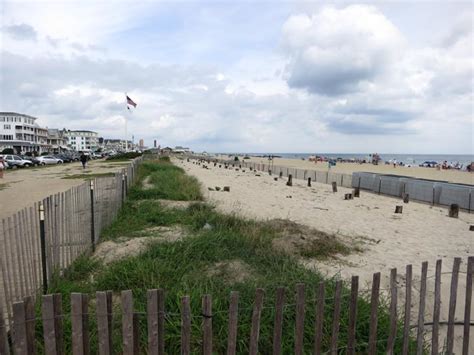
2,166
83,160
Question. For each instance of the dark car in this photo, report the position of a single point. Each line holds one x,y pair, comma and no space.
65,158
34,160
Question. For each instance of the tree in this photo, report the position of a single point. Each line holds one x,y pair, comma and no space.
8,151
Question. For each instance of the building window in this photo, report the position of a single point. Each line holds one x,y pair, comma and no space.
7,126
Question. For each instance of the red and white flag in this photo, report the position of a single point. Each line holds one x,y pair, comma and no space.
131,102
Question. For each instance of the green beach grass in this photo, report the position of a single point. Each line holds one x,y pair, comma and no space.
217,254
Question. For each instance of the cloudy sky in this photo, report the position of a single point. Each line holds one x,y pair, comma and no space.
250,76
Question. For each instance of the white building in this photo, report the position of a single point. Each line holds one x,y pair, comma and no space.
81,140
57,140
21,133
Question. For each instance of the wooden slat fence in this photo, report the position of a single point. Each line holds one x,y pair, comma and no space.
197,334
323,177
68,234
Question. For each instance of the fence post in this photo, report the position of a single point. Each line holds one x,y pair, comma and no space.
43,248
233,320
4,346
126,184
20,339
123,188
92,216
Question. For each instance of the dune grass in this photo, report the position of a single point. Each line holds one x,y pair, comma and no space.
194,267
167,182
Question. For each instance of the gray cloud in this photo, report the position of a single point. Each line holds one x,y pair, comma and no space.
380,115
368,126
328,78
22,32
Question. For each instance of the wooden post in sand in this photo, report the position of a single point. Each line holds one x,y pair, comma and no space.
309,182
269,172
356,192
334,186
454,210
398,209
281,174
290,180
406,198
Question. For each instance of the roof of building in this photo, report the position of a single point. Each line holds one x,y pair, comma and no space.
18,114
80,130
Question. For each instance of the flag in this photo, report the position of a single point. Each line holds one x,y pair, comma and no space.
130,102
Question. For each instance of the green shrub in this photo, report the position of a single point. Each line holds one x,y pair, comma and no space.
124,156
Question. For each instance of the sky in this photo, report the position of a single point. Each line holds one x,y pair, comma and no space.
246,76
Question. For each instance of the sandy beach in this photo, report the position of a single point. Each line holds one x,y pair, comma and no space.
388,240
21,188
455,176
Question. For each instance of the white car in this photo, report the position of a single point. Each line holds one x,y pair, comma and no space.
49,160
15,161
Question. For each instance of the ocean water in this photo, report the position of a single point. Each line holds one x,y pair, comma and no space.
412,159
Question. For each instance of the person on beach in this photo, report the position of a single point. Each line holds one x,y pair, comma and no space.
83,160
2,167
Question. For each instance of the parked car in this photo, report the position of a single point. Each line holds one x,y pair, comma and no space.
64,158
49,160
34,160
74,156
15,161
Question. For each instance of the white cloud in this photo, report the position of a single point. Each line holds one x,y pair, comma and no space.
334,51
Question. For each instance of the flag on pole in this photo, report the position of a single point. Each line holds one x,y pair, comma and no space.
131,102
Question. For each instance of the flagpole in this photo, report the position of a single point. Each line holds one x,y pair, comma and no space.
126,142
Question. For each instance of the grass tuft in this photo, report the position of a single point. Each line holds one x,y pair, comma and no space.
166,181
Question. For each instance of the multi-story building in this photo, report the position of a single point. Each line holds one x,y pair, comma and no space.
82,140
21,133
118,145
42,139
57,140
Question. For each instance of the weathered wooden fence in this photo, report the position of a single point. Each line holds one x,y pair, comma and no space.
325,338
436,193
47,237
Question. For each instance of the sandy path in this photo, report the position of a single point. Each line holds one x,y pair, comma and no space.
421,233
20,188
456,176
